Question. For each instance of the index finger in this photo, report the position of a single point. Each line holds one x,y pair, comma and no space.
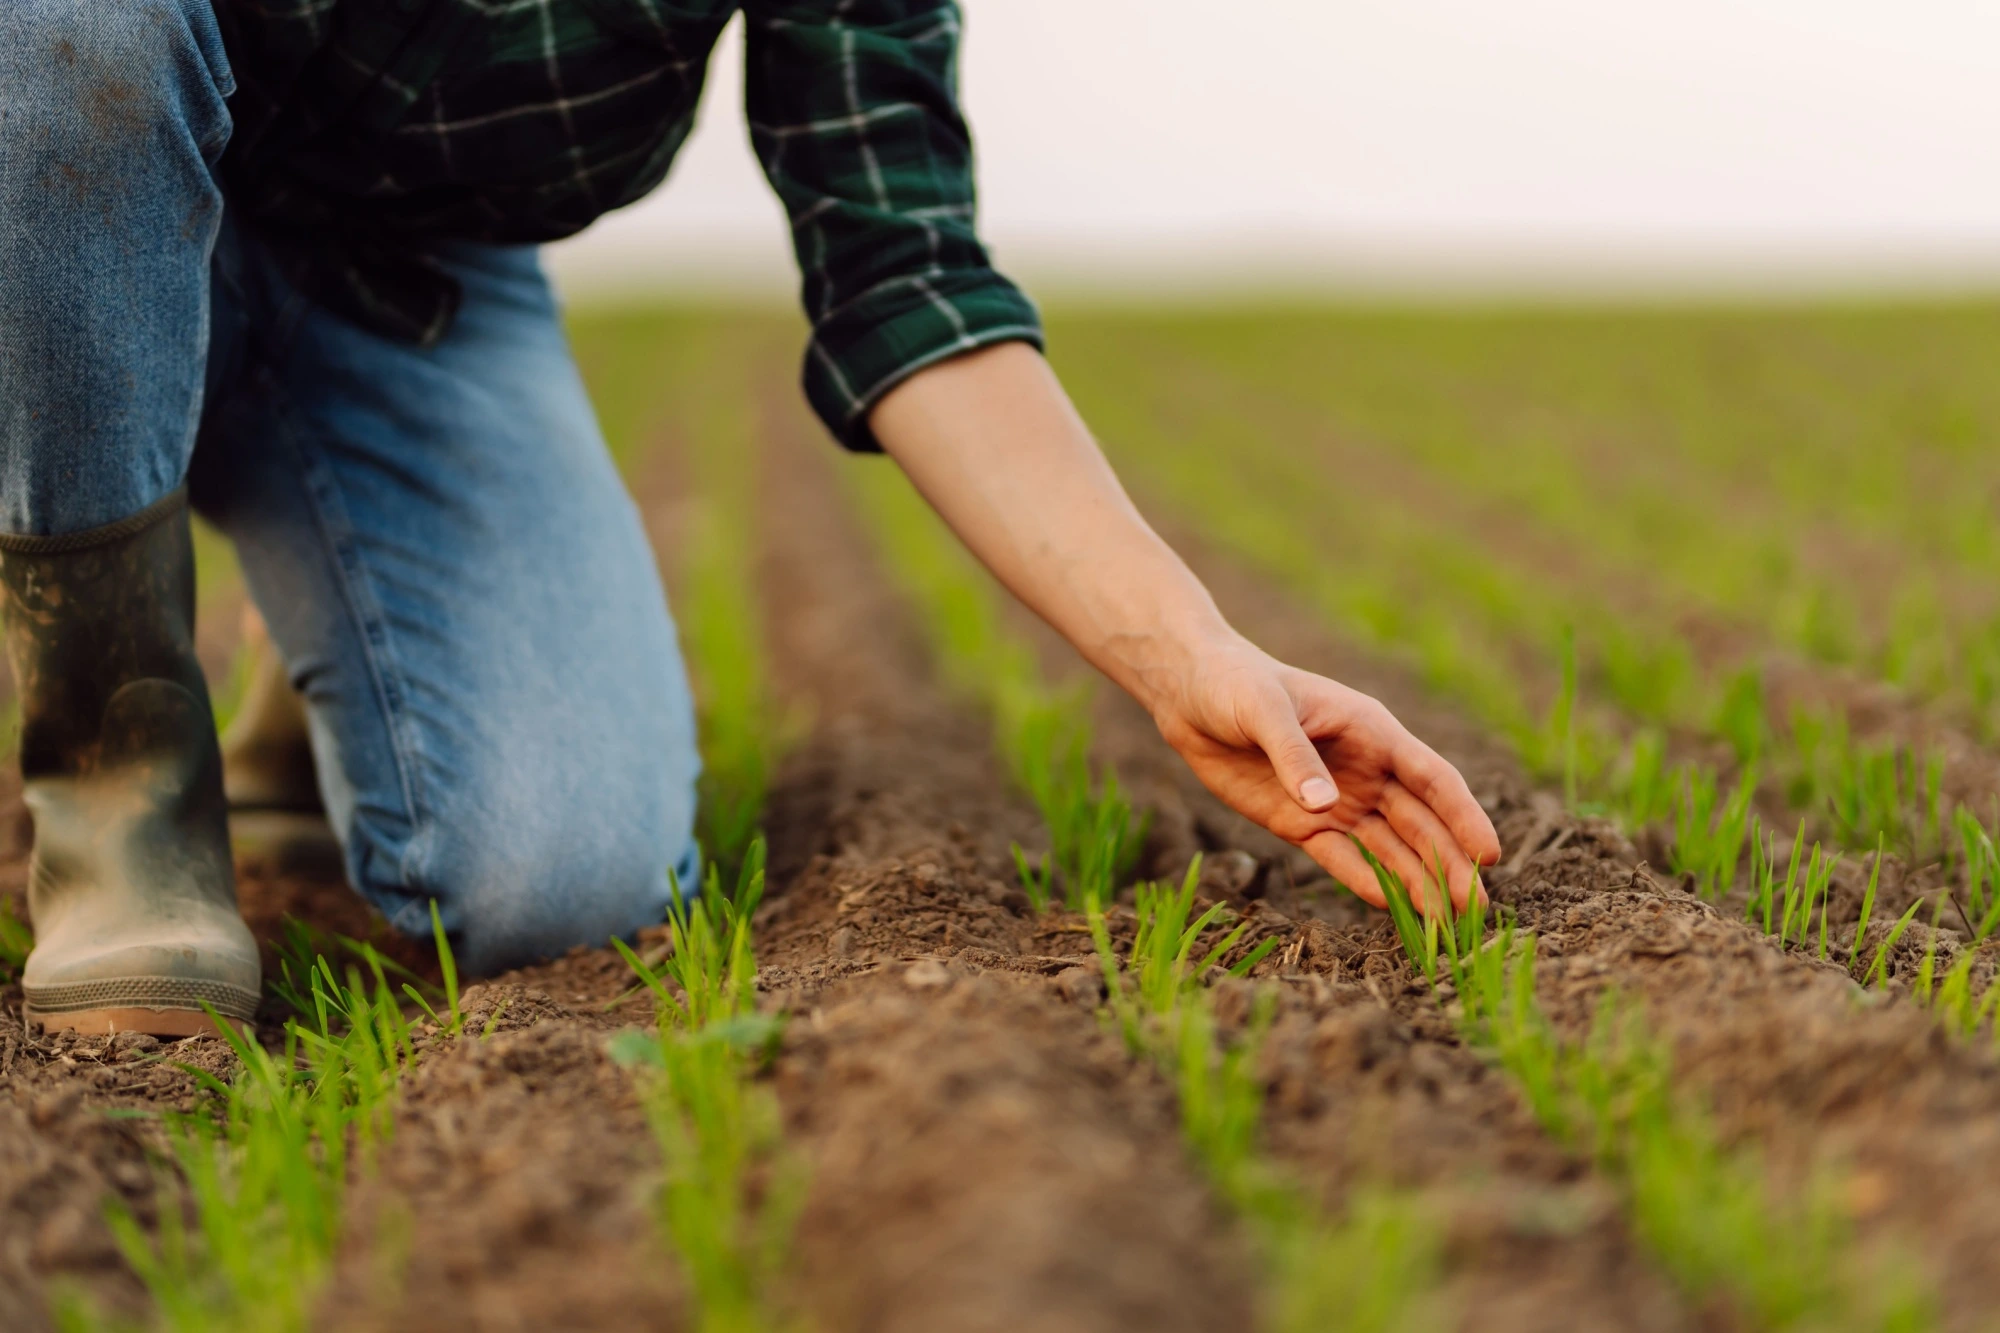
1438,785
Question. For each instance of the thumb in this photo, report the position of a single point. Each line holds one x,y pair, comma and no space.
1293,756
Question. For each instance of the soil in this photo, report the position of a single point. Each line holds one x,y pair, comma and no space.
981,1153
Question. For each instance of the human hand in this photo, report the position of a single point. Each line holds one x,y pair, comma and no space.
1315,762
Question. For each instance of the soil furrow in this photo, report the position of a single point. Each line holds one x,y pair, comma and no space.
983,1155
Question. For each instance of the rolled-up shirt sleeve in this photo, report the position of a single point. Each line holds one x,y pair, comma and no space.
853,108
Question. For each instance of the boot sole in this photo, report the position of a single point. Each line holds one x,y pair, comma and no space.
152,1022
159,1006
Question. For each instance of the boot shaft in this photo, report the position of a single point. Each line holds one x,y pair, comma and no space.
88,613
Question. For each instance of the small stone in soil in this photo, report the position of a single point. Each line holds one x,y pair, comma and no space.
1229,872
1080,985
926,974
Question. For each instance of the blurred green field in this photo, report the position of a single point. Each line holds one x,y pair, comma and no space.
1681,513
1623,539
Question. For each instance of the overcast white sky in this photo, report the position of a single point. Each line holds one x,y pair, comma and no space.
1531,141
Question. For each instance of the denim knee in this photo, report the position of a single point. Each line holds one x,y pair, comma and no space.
517,885
103,82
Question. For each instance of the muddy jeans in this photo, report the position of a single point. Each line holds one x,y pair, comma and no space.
440,544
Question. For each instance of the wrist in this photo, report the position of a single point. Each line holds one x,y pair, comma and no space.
1157,665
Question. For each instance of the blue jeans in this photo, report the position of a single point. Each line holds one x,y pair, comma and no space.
437,538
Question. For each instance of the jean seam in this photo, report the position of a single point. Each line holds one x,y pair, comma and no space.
389,682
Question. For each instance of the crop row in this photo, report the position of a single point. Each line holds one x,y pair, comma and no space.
1707,1211
1371,1269
1042,733
251,1185
730,1191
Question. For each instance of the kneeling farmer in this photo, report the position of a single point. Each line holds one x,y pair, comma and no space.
274,260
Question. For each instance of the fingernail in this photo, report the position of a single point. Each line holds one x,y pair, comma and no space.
1318,793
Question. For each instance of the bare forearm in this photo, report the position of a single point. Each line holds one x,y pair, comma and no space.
994,445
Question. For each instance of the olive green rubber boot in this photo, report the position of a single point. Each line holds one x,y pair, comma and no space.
131,890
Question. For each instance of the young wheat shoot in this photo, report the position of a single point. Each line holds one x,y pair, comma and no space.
1367,1272
719,1130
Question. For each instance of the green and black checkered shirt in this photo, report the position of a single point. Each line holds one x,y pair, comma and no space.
368,130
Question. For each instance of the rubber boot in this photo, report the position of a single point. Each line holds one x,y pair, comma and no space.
131,890
275,808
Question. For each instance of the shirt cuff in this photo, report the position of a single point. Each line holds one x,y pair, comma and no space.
893,330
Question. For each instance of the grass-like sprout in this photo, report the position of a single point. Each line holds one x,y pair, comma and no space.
452,1020
1094,835
1960,1010
299,946
1878,969
1367,1271
729,1198
1786,909
1435,936
264,1166
1981,863
1710,830
1164,968
1869,793
1042,733
1706,1210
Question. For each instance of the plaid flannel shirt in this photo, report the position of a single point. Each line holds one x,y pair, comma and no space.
367,131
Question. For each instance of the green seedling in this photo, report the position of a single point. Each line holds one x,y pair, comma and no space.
1793,902
1878,969
1920,987
1869,792
1867,911
1641,792
251,1211
1436,935
1371,1270
1042,733
1707,1212
709,973
1957,1007
1094,837
1742,718
1163,966
1981,865
1709,832
301,943
730,1198
453,1019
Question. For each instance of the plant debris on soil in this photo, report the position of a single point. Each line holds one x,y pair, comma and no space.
981,1151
